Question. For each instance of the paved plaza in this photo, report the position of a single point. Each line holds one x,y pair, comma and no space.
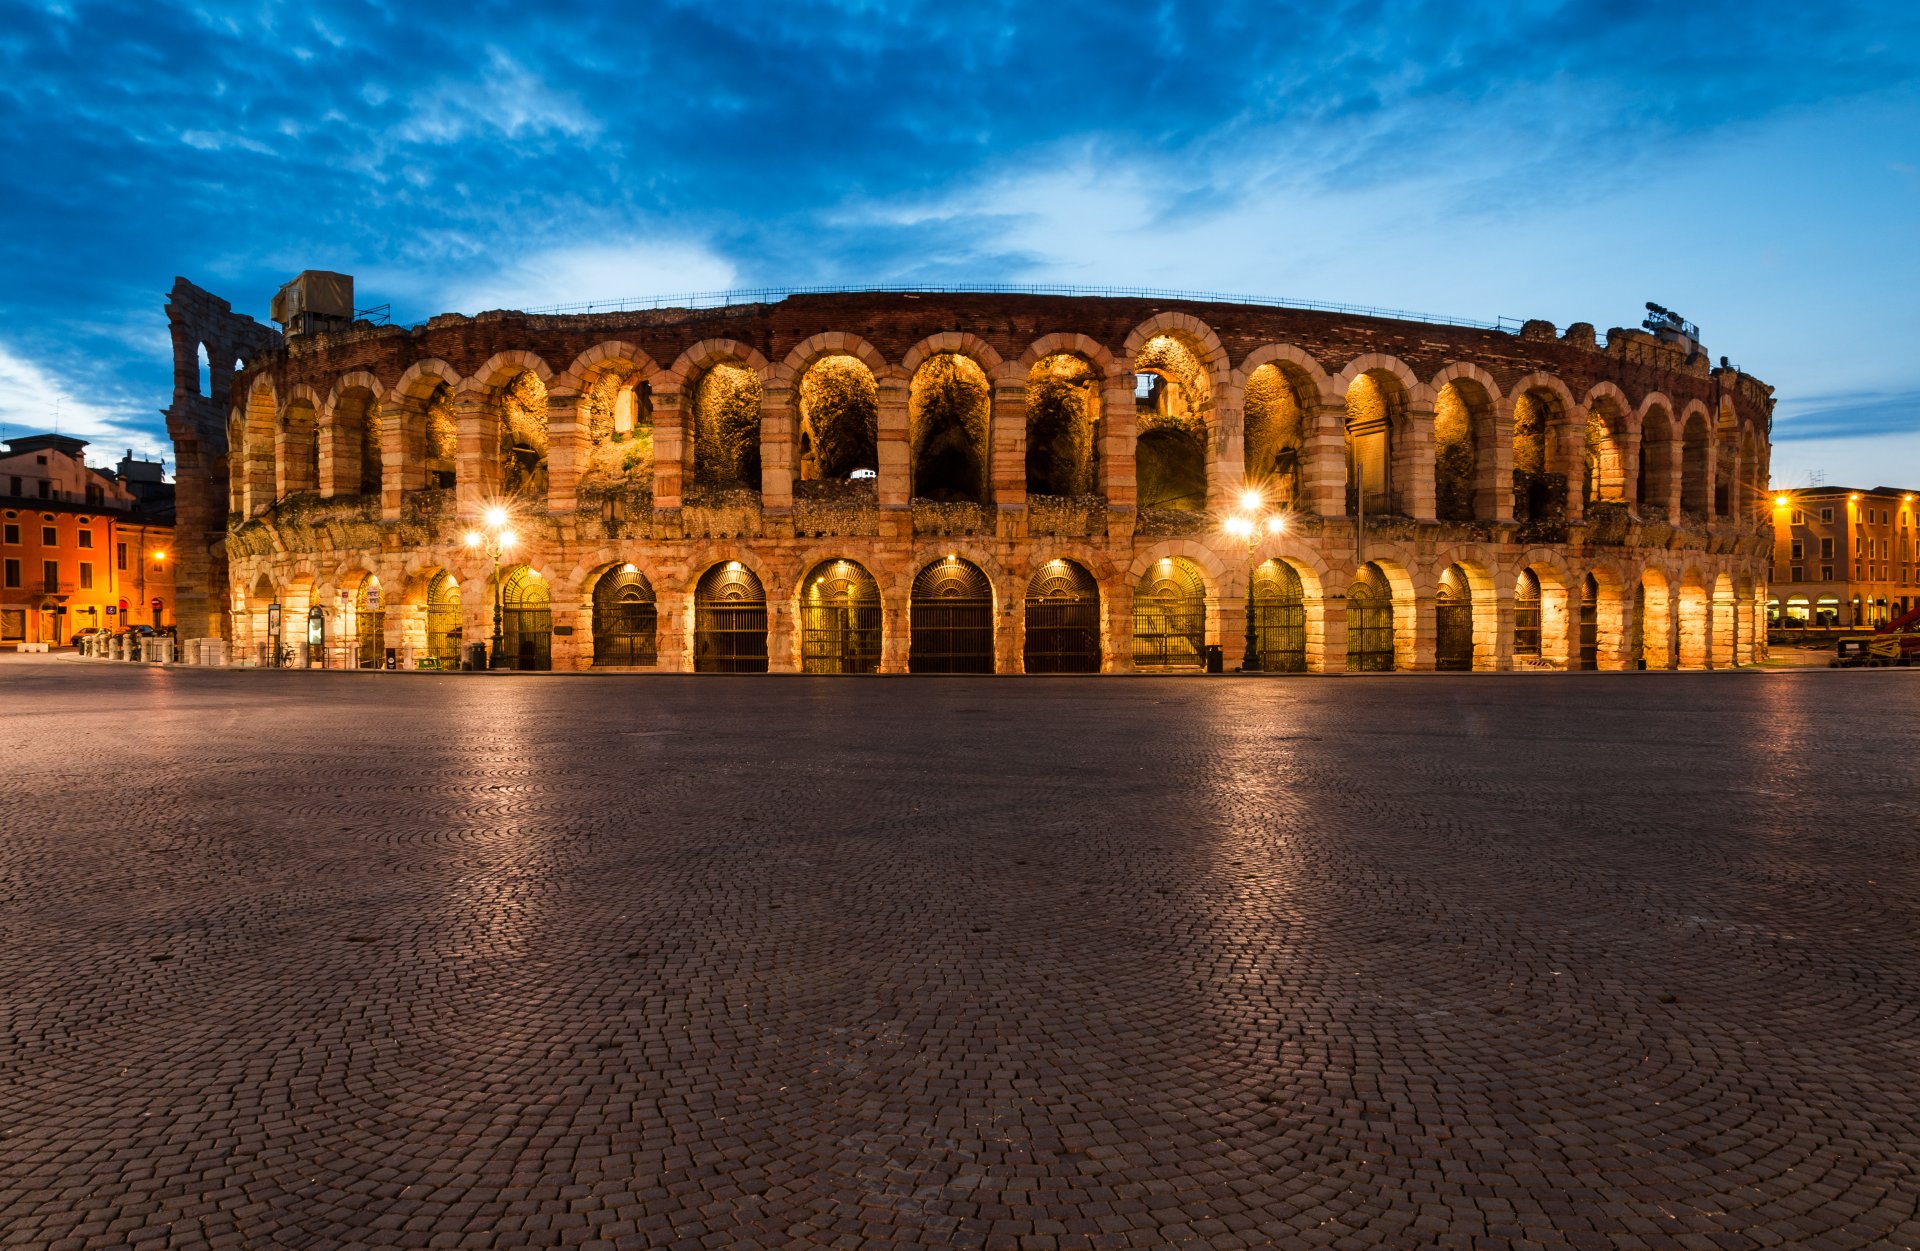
336,960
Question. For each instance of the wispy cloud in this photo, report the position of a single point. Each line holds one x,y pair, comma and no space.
32,401
1849,415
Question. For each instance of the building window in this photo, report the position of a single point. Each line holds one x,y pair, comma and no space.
1826,514
13,535
1826,549
1799,518
50,575
13,486
49,537
1799,549
1796,574
86,576
86,538
1826,573
46,489
120,554
13,573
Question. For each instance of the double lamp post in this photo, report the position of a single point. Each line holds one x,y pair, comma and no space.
1253,521
495,540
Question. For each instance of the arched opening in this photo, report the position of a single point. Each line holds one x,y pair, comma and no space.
726,429
1588,656
951,616
1459,410
1637,629
1526,617
1725,630
1173,399
522,438
1693,622
204,372
617,408
840,620
626,619
1063,416
259,484
526,620
1370,637
1696,477
369,623
839,415
1603,468
1279,618
1277,402
445,632
1376,405
948,407
1062,620
441,438
299,449
1651,604
1539,483
1170,616
1653,486
356,444
1453,621
1752,487
729,621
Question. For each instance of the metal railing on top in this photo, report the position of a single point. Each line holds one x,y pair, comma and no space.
767,295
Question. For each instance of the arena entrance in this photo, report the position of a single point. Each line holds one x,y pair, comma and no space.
444,631
1453,621
729,621
369,623
1590,623
1369,622
526,621
952,619
1062,620
1170,617
1280,618
1526,617
626,619
840,620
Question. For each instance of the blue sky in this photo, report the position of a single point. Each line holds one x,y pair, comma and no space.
1755,166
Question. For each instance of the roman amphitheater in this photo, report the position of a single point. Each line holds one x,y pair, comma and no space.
925,481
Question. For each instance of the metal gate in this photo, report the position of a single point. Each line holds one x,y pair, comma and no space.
1637,639
625,619
1280,618
1590,624
1369,622
1453,620
1170,617
1526,615
370,624
729,621
840,620
1063,620
952,620
444,633
526,620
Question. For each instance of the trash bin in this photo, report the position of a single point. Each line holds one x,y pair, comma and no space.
476,656
393,661
1216,659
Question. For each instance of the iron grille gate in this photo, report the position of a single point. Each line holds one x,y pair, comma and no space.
1062,620
840,620
1637,642
952,620
1590,624
729,621
1453,621
1280,619
1170,618
444,632
1369,623
1526,616
625,620
526,620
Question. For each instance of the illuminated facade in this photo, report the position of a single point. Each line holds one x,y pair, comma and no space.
969,482
1844,557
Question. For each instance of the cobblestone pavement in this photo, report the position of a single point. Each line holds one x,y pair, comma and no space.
331,960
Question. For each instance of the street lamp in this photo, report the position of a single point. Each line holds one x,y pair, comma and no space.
1253,521
495,540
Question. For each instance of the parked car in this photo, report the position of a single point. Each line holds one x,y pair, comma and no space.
143,631
81,636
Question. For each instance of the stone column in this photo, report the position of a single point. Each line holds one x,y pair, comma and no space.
1226,452
777,467
1325,450
566,452
1426,627
477,464
1007,444
895,624
1493,469
1676,479
1413,454
1333,635
1502,630
403,454
1117,413
895,482
1117,656
669,448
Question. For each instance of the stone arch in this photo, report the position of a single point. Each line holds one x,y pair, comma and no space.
1611,617
1724,632
511,389
729,620
610,354
1465,444
836,418
425,433
1652,621
1751,484
1695,621
1603,475
1180,373
952,343
950,424
1656,486
1558,607
1696,461
1091,350
1542,414
720,389
1065,398
625,616
260,419
1281,396
1196,334
611,387
351,452
1378,392
951,610
1171,599
839,615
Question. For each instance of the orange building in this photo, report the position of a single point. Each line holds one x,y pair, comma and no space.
80,547
1844,557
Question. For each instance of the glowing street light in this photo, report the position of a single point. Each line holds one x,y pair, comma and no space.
1252,522
495,540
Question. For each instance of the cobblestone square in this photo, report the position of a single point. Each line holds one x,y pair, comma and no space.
1492,961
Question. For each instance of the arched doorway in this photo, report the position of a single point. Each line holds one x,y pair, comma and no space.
1589,654
1637,629
526,621
444,631
951,616
1369,622
840,620
369,623
1526,617
1170,617
626,619
1279,618
1453,621
729,621
1063,620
